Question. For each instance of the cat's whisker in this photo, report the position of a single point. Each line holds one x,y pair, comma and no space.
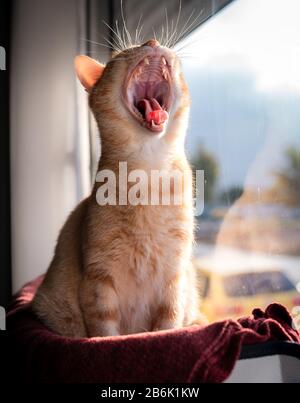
162,35
125,26
110,45
187,45
169,35
117,41
92,54
126,45
167,27
176,26
122,43
186,31
98,43
140,38
113,46
172,30
154,33
137,32
176,33
189,57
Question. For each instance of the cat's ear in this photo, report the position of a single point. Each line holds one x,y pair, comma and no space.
88,71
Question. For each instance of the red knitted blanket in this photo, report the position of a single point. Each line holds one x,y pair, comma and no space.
192,354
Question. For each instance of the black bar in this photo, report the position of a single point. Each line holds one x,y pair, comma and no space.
270,348
5,233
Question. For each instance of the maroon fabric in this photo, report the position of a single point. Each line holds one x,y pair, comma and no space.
192,354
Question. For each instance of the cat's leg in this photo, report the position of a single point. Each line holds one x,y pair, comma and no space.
59,312
169,312
100,305
193,314
56,300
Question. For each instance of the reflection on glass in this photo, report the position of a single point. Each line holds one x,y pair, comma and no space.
243,70
244,285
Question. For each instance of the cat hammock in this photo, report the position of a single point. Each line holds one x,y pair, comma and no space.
192,354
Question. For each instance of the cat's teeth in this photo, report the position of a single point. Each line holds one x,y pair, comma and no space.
164,74
146,60
152,123
137,72
163,60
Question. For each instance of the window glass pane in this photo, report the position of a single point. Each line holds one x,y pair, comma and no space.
240,285
243,70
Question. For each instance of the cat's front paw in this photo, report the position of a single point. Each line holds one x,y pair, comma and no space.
200,320
167,324
104,329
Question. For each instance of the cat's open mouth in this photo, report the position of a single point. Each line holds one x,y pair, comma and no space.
148,92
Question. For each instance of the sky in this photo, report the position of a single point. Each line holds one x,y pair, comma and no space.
243,70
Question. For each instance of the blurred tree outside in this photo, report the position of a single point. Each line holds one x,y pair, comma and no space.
230,195
206,161
287,180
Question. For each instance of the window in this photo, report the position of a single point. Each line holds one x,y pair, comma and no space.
203,284
251,284
243,70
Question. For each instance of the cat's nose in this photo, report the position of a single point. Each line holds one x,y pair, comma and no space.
152,42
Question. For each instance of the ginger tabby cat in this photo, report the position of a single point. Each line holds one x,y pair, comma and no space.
122,269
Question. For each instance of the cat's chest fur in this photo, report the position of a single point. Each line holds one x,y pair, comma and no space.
142,256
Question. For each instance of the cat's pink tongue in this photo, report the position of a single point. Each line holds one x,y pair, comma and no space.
153,111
